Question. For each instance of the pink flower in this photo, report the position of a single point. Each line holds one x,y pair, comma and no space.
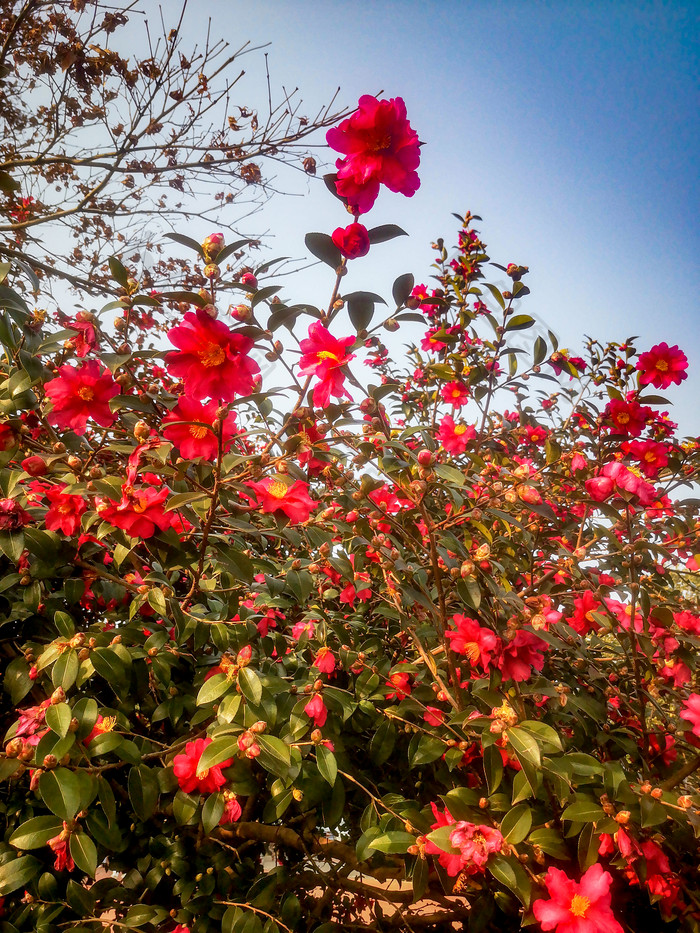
662,366
211,358
59,845
455,437
193,780
475,844
316,709
12,515
232,808
352,241
325,661
139,512
524,652
249,280
577,907
691,712
197,440
399,685
274,495
65,512
380,148
627,416
324,356
80,393
470,639
455,393
433,716
650,455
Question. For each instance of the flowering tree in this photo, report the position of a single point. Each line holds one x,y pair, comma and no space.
109,138
360,652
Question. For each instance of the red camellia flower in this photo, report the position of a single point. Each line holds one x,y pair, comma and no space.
475,844
232,808
627,416
274,495
691,712
455,437
197,440
524,652
325,661
380,148
352,241
470,639
399,685
193,780
577,907
59,845
323,356
12,515
65,511
211,358
139,512
455,394
316,709
662,366
79,393
651,456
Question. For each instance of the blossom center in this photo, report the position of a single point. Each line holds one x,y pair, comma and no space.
86,393
460,428
662,366
198,431
623,418
327,355
212,355
472,651
277,489
650,456
202,774
381,143
579,905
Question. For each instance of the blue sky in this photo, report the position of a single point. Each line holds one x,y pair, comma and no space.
571,127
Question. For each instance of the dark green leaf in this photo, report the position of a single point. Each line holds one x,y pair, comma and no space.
322,247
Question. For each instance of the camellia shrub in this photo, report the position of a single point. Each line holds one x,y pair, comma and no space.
360,644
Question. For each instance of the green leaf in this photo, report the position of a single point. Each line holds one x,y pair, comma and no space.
36,832
119,273
508,871
584,810
143,791
383,741
516,824
360,307
493,767
402,288
450,473
251,685
212,689
428,750
385,232
653,812
58,718
212,811
274,755
84,853
65,670
327,765
194,245
61,792
12,544
496,292
322,247
395,842
520,322
551,843
544,735
18,873
218,750
540,351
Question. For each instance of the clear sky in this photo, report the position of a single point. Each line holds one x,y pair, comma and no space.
571,127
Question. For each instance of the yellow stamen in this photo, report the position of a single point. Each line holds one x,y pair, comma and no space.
86,393
107,724
579,905
213,355
460,428
202,774
277,489
623,418
327,355
198,431
472,651
662,366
